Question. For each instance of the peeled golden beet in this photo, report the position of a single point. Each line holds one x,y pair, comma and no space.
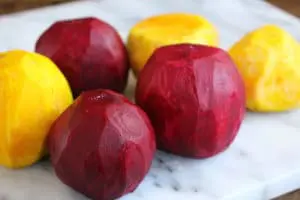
268,59
166,29
33,93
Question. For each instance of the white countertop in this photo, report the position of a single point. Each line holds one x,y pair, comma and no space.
262,163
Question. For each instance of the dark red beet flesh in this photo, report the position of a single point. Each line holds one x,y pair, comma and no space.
195,98
89,52
102,145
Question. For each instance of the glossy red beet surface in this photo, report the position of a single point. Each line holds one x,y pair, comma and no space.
89,52
102,145
195,98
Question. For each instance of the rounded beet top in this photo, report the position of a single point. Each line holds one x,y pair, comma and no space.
102,145
195,98
89,52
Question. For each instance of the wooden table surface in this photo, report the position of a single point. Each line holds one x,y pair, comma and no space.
292,6
9,6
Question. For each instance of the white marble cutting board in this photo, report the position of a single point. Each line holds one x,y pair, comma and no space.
262,163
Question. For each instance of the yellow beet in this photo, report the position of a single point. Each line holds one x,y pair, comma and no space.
268,59
33,93
167,29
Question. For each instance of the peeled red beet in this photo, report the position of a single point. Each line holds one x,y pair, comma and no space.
89,52
102,145
195,98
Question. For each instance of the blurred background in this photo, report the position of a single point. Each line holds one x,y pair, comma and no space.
9,6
